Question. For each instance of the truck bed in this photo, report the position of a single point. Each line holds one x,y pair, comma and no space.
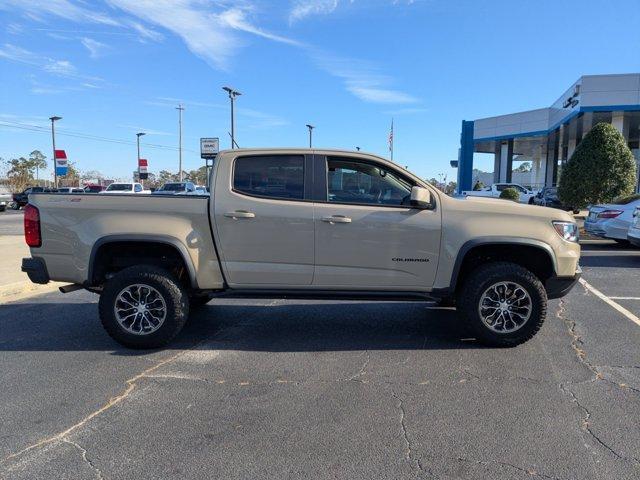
75,225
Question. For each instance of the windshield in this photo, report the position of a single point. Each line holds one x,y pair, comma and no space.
172,187
119,187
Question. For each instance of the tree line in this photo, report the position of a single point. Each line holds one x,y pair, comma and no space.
16,174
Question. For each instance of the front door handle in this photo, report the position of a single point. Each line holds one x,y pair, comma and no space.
336,219
240,214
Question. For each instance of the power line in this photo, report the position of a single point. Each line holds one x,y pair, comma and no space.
86,136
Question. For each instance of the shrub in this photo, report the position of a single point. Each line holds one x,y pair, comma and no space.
510,194
601,169
625,200
478,186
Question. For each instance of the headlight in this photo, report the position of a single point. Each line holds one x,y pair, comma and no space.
567,230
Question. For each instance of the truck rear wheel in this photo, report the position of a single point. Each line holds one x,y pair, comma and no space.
143,307
503,303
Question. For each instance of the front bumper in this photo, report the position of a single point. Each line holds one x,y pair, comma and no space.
633,239
36,270
558,287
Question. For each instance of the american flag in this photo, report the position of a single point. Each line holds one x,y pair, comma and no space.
391,137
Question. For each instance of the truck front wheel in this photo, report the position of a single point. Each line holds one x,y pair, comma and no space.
503,303
143,307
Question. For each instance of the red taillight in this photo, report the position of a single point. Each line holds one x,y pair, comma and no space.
32,226
610,214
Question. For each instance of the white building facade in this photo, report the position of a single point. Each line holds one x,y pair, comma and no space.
547,137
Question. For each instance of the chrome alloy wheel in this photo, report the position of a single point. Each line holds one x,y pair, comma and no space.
140,309
505,307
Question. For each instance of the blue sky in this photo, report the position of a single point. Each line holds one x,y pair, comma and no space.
116,67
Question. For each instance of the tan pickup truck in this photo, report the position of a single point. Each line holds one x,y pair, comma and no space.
309,224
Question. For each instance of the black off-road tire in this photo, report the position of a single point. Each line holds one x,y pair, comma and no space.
173,294
479,280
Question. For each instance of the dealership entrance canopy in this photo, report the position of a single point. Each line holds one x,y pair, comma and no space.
547,137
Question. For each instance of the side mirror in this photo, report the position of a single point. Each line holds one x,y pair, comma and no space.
420,197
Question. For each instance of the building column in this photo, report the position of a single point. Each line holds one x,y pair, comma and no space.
552,159
573,137
587,123
621,123
465,162
496,162
506,160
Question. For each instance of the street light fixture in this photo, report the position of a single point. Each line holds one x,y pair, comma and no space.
232,96
310,127
53,140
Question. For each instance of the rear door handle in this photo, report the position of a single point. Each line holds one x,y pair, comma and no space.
336,219
240,214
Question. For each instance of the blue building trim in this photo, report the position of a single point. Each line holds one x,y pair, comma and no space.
538,133
465,162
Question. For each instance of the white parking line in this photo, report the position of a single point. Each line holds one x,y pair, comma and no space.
624,298
610,302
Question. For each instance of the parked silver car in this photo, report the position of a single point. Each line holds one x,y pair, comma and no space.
612,220
633,235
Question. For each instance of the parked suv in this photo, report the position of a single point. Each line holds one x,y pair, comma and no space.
22,198
548,197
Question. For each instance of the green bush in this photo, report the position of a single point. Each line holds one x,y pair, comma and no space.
625,200
510,194
601,169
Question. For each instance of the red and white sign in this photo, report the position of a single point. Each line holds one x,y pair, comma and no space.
61,158
142,168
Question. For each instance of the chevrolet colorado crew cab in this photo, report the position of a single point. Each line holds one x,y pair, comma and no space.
303,223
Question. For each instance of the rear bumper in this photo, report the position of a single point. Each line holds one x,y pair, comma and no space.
36,270
558,287
633,240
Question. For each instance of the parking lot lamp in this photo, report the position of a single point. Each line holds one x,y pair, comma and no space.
310,127
232,96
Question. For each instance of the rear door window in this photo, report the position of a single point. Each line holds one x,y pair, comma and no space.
272,176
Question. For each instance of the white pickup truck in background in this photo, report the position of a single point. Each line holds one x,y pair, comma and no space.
494,191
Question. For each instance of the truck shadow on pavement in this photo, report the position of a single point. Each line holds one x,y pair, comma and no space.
281,326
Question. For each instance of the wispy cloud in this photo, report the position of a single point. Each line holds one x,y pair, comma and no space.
301,9
208,29
57,67
95,47
38,9
363,80
305,8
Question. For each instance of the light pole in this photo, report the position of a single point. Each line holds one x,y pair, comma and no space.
53,139
232,96
180,109
310,127
138,135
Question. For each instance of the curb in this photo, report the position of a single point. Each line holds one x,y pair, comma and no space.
20,290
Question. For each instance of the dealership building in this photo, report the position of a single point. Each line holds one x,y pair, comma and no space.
547,137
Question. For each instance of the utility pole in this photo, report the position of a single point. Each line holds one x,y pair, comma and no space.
232,96
138,135
180,109
310,127
53,139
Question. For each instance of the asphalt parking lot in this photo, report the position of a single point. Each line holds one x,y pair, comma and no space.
319,389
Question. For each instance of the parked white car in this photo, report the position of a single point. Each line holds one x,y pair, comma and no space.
526,195
633,235
116,188
612,220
